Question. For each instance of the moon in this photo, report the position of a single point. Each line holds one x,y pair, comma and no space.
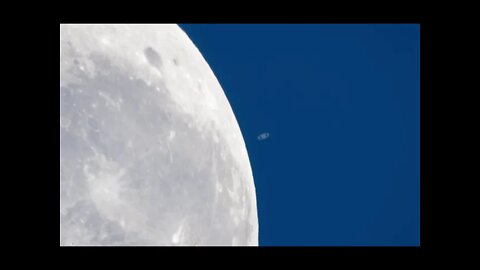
150,150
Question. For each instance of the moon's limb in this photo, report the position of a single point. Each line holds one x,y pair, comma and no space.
150,150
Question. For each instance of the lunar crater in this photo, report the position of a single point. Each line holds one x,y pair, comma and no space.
153,57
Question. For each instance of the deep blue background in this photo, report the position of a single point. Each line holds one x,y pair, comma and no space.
342,106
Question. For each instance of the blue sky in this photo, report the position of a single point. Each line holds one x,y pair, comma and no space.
341,104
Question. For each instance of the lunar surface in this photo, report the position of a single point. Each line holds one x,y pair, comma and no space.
150,150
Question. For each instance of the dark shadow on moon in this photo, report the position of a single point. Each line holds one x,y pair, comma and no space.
153,57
